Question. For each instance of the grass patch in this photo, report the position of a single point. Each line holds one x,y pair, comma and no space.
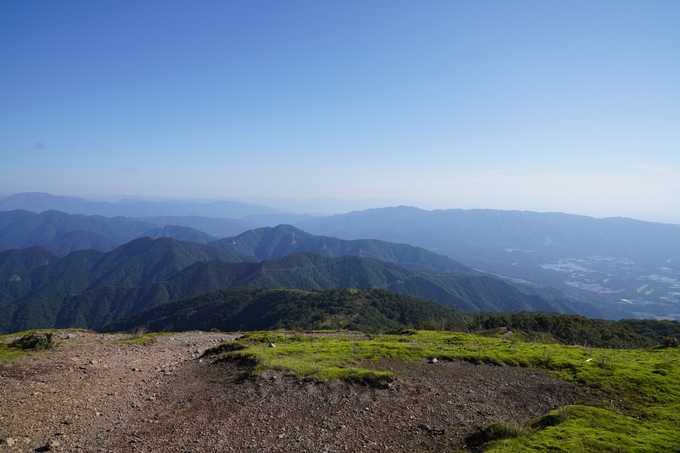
8,354
639,388
500,430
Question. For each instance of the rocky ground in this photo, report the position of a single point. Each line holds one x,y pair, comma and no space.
96,394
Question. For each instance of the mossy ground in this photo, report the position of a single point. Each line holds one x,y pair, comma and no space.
639,390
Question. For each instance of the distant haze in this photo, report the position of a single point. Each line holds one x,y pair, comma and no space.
330,107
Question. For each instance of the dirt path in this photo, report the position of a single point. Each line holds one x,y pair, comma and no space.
95,394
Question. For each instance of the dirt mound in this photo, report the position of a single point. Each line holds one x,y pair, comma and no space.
98,394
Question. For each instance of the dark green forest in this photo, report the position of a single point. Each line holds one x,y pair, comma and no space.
246,308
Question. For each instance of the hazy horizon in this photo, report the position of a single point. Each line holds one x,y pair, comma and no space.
320,207
547,107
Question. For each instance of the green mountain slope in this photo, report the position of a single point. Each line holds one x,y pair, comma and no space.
69,275
136,263
22,260
272,243
261,309
304,271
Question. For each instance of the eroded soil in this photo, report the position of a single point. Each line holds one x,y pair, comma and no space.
96,394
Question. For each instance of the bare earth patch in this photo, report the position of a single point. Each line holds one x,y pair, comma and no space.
96,394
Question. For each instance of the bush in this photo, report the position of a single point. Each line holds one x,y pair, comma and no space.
35,341
138,332
670,342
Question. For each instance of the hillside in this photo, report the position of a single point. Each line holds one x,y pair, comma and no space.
138,262
104,302
283,240
263,309
65,233
22,260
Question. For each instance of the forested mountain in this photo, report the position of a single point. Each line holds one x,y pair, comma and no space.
261,309
138,262
620,263
271,243
104,302
65,233
22,260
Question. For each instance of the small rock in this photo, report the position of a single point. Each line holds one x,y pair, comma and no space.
9,442
434,360
54,444
272,345
70,336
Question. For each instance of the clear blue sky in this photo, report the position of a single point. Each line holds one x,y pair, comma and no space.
567,106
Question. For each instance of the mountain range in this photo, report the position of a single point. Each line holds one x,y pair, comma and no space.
91,288
64,233
610,268
621,263
39,202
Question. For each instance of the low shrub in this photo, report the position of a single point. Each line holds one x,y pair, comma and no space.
34,341
670,342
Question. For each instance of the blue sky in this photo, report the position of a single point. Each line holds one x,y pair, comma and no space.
547,106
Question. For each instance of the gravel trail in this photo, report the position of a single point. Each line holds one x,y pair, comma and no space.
96,394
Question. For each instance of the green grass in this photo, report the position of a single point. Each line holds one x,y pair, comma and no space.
639,390
8,354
